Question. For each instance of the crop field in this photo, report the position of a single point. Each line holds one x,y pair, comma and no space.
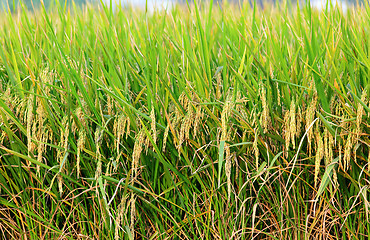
206,121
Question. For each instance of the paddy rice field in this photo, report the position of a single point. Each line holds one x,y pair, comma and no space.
203,122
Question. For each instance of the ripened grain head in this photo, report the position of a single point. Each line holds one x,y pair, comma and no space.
153,125
278,94
292,123
138,148
120,214
198,120
360,113
165,136
347,151
319,155
21,109
224,119
128,125
299,121
286,130
80,145
30,115
310,115
119,129
186,125
228,165
41,148
255,148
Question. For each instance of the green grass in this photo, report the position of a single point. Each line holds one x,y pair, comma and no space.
199,123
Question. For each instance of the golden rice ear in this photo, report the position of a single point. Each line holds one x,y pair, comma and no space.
81,116
41,116
127,123
347,151
278,94
265,117
224,119
299,122
199,115
30,115
187,123
60,184
190,120
319,155
292,123
34,136
286,131
310,116
219,85
340,159
165,136
63,144
120,217
360,113
153,125
21,110
80,146
2,134
138,148
41,148
228,165
98,156
255,148
40,133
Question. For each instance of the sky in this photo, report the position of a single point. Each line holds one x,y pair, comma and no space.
152,4
166,4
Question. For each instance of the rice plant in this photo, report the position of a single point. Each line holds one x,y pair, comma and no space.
206,121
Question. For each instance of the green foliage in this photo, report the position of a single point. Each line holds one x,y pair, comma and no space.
197,123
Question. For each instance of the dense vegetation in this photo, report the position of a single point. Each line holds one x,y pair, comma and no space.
200,123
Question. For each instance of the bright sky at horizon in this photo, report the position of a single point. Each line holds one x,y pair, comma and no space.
321,4
152,4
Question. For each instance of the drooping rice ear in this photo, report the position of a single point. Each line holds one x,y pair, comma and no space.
319,155
30,115
292,123
80,145
347,151
165,136
360,113
286,131
138,148
153,125
133,213
228,165
255,148
120,217
197,121
310,116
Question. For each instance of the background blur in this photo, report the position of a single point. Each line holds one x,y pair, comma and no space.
156,4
